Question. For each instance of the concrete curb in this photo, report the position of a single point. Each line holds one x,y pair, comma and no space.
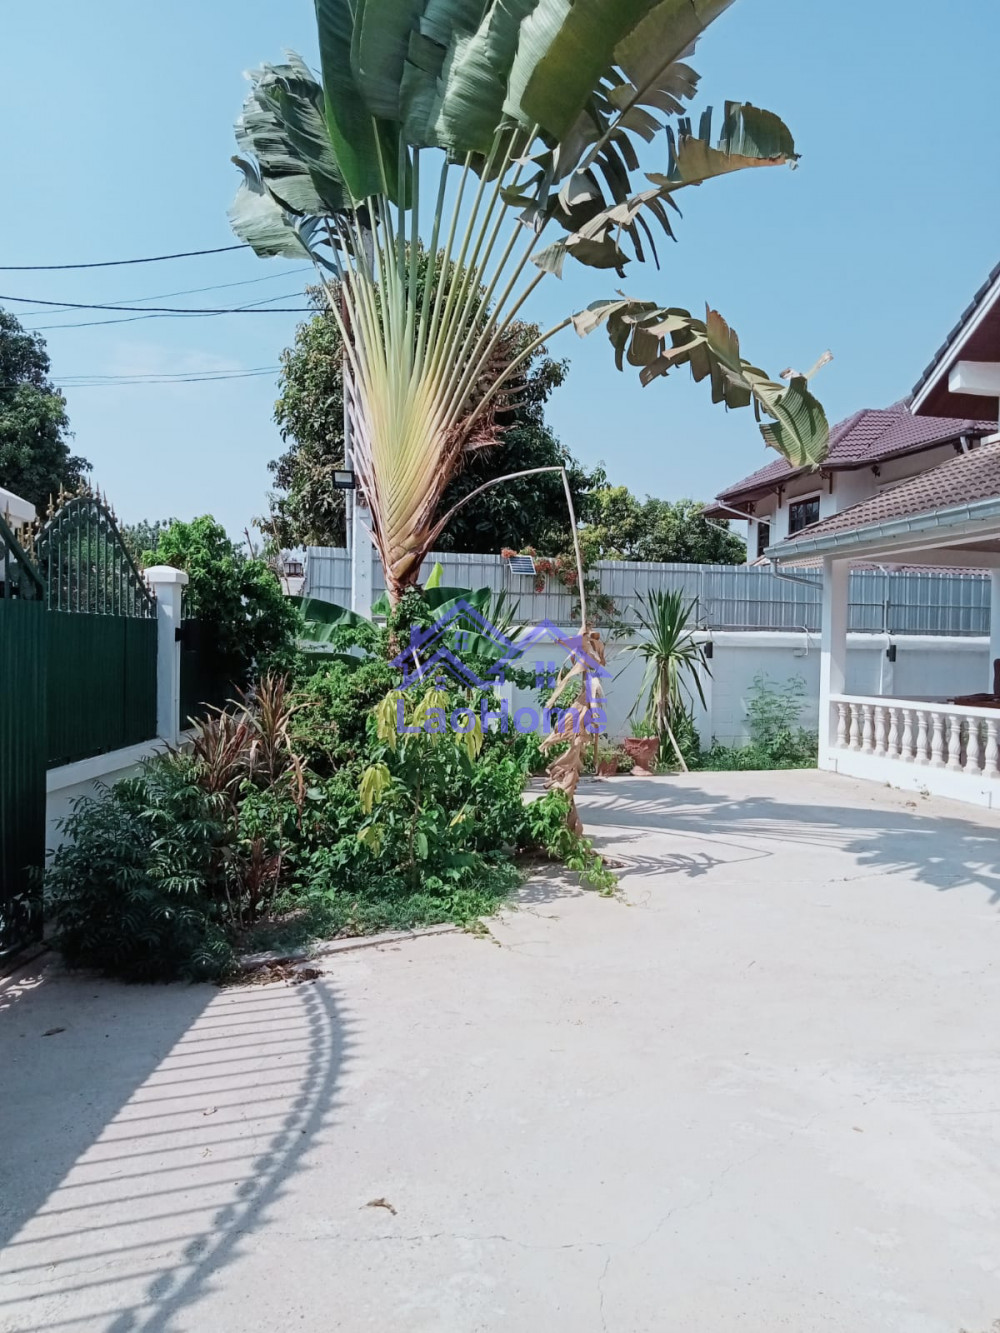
251,961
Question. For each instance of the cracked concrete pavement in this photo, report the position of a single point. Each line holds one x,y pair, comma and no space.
759,1092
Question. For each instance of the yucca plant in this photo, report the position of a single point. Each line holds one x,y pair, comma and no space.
463,131
674,662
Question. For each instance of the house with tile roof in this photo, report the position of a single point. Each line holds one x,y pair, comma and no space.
871,451
944,513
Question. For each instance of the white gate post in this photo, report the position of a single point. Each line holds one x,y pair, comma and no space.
168,585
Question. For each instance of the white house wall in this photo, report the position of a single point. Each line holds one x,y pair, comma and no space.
845,487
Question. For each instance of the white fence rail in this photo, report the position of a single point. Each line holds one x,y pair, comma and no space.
926,733
730,597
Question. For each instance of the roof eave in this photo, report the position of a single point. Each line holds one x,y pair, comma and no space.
754,493
951,348
890,532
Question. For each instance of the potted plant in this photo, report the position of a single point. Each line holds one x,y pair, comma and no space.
626,764
606,765
675,662
642,746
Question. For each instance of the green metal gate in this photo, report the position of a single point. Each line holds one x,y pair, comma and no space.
23,747
101,686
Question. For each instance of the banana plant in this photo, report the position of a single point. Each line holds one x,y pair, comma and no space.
500,139
325,625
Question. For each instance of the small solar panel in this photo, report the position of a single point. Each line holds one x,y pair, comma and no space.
521,564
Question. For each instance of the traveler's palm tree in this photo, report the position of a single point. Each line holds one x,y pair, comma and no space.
500,139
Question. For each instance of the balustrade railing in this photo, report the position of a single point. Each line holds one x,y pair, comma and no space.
935,735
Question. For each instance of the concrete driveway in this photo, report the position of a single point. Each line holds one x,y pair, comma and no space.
760,1093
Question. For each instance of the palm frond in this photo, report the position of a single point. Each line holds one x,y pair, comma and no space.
531,115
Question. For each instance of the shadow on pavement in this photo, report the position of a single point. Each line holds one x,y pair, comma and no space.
147,1136
944,851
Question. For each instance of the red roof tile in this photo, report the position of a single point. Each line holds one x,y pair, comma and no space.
871,435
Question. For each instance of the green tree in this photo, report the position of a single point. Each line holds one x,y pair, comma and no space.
143,537
35,460
238,599
508,119
669,531
307,510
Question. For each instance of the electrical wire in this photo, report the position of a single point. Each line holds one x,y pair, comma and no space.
194,291
117,263
101,381
170,310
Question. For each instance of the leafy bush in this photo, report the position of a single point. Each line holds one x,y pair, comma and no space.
333,729
301,812
549,834
606,754
238,599
162,872
776,739
127,895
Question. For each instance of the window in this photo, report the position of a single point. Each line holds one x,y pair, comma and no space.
763,538
802,513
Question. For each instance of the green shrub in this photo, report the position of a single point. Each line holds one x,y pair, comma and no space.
302,812
246,617
776,739
332,729
625,761
548,834
128,894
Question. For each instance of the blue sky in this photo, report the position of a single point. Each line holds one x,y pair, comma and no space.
119,136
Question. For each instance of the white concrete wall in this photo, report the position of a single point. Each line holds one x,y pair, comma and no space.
69,783
925,666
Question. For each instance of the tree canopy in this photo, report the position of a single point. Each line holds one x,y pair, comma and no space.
622,527
250,623
35,458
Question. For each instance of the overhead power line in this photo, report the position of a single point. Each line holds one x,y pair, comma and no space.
166,309
193,291
97,380
117,263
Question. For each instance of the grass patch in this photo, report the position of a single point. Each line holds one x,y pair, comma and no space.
337,913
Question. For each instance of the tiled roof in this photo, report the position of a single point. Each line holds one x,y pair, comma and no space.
961,480
869,436
959,328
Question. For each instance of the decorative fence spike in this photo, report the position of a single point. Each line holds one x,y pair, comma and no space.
85,561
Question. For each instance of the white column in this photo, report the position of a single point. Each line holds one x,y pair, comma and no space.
168,585
994,624
833,651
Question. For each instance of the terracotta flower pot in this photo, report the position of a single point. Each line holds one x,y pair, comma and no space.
643,751
607,768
